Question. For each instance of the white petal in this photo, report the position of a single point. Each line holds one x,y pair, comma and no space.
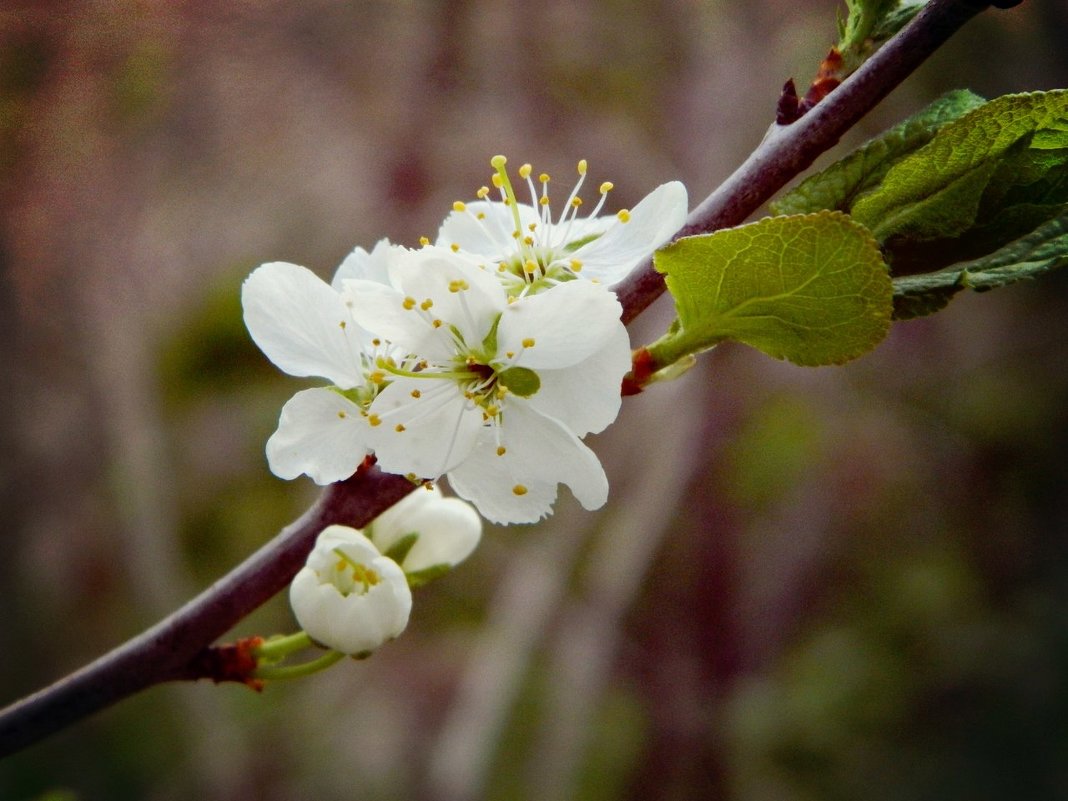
448,529
433,273
491,237
653,222
586,397
320,433
381,310
539,452
439,427
567,323
301,324
373,266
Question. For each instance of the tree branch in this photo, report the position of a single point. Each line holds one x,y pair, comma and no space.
170,649
787,150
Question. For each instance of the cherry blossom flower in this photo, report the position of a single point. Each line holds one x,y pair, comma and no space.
348,596
530,250
502,388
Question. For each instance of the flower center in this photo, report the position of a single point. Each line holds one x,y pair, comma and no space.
352,577
542,254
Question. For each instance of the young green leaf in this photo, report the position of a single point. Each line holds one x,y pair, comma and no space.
839,186
812,289
936,191
1043,250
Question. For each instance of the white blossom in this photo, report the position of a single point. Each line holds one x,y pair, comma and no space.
531,250
304,327
447,529
348,596
503,387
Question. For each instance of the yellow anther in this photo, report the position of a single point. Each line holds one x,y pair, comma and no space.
459,206
576,202
544,177
416,393
502,267
530,267
342,323
501,391
607,187
532,227
376,342
543,201
480,216
412,477
374,420
525,170
576,265
459,285
528,342
424,241
436,323
482,193
377,377
455,247
342,415
528,240
582,167
519,489
501,450
624,215
497,181
515,234
426,304
399,427
409,303
492,410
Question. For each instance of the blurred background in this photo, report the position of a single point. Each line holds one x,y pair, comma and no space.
843,583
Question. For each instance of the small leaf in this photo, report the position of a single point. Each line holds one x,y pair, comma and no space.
812,289
839,186
1041,251
959,156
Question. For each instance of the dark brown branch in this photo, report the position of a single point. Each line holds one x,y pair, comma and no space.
174,648
170,649
790,149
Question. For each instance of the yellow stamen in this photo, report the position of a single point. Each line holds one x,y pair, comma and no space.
426,304
424,241
374,420
519,489
582,167
607,187
459,206
458,285
416,393
501,450
409,303
399,428
525,170
576,265
624,215
528,342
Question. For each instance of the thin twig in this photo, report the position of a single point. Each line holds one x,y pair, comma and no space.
169,650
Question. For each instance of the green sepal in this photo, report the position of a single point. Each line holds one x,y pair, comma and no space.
520,381
420,577
839,186
812,289
489,342
1043,250
399,549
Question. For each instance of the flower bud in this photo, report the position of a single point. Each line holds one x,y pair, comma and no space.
348,596
448,529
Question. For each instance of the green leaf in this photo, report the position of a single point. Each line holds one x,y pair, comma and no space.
916,198
838,186
1041,251
812,289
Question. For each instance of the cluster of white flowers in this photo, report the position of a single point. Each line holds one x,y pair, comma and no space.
353,593
485,356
